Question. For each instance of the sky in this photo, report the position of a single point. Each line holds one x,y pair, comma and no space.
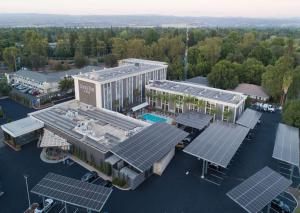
217,8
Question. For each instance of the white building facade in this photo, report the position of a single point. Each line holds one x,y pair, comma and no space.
120,87
179,97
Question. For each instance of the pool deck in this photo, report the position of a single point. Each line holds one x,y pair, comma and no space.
169,120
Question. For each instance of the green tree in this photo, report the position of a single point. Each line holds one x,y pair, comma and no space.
272,81
119,48
4,87
291,113
224,75
80,60
110,60
35,50
10,56
63,48
252,71
151,36
262,54
66,84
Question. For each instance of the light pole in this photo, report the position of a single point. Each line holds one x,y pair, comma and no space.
26,181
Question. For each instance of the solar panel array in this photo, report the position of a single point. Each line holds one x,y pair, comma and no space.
150,145
249,118
286,146
218,143
194,119
72,191
119,72
198,91
259,190
57,119
110,118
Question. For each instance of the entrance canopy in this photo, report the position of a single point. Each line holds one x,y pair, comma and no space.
259,190
218,143
72,191
194,119
286,146
52,140
249,118
150,145
22,126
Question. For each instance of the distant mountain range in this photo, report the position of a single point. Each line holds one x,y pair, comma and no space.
46,20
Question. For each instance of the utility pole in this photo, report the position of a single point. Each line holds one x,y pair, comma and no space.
26,182
186,53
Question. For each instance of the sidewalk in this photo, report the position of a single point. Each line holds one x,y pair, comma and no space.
296,194
90,168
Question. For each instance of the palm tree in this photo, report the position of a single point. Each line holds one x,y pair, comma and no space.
188,100
228,115
199,104
214,112
286,83
115,104
136,94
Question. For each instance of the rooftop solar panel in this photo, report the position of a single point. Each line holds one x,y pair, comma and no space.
286,146
249,118
150,145
218,143
198,91
72,191
259,190
194,119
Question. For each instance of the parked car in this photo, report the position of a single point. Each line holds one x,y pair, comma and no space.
280,206
48,204
89,176
180,146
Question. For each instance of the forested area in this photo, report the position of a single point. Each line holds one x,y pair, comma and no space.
267,57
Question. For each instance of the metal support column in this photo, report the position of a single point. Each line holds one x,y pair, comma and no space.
206,167
292,172
203,169
43,201
66,209
268,208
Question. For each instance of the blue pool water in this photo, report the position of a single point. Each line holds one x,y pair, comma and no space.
153,118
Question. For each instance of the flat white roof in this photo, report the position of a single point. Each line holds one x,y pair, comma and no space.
22,126
199,91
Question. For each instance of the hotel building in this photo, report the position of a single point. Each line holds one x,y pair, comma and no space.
120,87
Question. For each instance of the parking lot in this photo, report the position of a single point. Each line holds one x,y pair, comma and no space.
179,189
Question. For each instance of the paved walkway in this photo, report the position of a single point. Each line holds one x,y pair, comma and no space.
90,168
296,193
1,138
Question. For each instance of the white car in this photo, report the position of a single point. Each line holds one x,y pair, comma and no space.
271,108
48,204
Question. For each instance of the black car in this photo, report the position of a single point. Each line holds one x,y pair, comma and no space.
89,177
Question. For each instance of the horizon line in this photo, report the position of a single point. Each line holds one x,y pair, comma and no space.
151,14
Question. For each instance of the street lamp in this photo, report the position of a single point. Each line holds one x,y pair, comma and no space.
26,182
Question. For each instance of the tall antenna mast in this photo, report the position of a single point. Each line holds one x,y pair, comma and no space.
186,53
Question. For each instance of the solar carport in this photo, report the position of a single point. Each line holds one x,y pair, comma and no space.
286,148
259,190
249,118
149,146
74,192
217,144
194,119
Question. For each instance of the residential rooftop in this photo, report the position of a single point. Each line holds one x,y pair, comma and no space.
252,90
53,76
200,91
100,128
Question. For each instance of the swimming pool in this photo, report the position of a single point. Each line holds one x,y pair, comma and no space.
152,118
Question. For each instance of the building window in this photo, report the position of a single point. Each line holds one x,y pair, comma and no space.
210,108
